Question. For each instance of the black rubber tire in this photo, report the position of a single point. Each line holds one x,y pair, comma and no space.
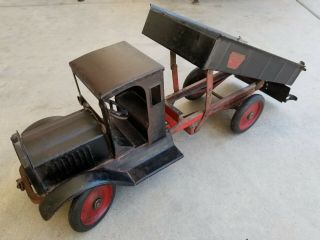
76,208
253,100
195,75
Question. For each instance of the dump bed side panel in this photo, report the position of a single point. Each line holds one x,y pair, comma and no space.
241,59
209,48
190,44
212,49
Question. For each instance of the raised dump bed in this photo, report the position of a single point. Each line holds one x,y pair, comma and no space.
208,48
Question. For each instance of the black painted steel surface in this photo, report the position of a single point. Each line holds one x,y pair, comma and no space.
209,48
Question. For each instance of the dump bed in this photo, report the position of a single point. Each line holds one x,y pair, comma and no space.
209,48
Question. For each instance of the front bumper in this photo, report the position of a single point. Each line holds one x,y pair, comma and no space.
28,175
23,183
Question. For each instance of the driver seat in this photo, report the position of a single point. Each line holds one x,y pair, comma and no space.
135,103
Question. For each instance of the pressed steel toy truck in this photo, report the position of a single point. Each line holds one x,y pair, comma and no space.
84,155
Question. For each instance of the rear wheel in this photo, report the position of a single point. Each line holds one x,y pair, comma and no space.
87,210
194,76
247,114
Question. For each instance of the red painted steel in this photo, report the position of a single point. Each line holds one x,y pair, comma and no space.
170,121
96,204
235,60
250,116
186,122
208,102
192,123
174,69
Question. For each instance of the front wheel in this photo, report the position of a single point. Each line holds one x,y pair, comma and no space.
87,210
247,113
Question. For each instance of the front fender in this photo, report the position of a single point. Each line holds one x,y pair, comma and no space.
70,189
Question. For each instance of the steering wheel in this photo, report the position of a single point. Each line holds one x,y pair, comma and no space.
116,110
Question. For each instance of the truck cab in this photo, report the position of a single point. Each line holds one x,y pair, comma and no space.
124,141
130,90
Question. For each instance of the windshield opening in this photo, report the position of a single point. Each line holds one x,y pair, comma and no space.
89,97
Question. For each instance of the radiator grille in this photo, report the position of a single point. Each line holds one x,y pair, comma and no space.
68,164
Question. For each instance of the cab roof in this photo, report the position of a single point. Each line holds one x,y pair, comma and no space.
107,69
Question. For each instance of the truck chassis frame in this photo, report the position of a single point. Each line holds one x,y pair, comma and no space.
192,122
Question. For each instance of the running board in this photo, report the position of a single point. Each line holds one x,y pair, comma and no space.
155,164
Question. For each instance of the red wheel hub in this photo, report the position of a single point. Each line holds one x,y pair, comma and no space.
250,115
96,204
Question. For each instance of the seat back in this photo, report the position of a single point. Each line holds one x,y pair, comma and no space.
135,103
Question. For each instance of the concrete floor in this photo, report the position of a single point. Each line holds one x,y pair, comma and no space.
263,184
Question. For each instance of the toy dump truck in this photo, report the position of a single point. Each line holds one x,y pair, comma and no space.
84,155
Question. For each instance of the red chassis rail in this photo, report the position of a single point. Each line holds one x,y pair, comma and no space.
192,122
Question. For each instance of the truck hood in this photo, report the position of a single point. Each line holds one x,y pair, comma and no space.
56,148
52,137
